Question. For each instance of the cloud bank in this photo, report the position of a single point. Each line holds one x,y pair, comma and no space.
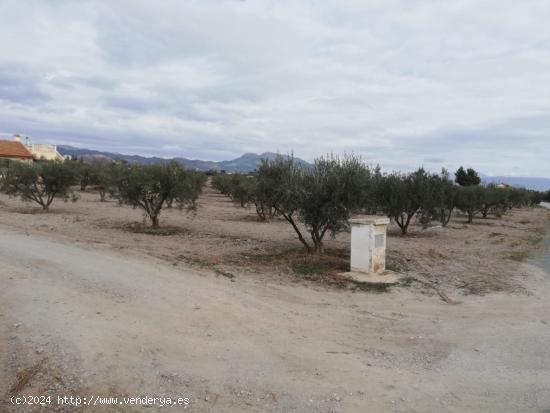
403,83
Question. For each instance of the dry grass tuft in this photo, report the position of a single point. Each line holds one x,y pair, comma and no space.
25,377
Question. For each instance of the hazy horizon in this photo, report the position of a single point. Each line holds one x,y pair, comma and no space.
129,152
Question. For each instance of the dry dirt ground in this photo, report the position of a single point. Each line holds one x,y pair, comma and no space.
220,236
214,311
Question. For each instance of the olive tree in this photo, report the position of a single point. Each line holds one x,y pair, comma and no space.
521,197
401,196
221,183
194,179
241,189
41,182
281,180
259,196
245,190
494,199
105,179
441,200
85,173
4,167
149,186
333,188
321,197
235,186
470,200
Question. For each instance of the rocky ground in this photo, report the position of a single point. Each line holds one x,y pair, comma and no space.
215,310
460,259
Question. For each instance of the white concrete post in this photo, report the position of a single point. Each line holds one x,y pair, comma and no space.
368,244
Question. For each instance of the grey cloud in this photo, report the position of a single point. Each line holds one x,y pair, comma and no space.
402,83
74,82
434,160
19,85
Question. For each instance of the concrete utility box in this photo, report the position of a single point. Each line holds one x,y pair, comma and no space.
368,244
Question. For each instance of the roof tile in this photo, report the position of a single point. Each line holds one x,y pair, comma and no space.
14,149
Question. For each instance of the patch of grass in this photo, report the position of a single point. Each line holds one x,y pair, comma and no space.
332,259
518,256
308,269
374,287
393,266
25,377
138,228
406,281
224,273
189,260
534,239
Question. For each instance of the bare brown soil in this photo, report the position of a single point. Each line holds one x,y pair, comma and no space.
460,259
229,312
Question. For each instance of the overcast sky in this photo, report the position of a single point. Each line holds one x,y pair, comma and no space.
401,82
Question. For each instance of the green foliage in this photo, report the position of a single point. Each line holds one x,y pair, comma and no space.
280,187
4,167
40,182
331,190
222,183
401,196
494,199
321,197
521,197
467,177
309,270
100,175
85,173
259,195
236,186
105,179
149,186
470,200
443,198
194,180
244,190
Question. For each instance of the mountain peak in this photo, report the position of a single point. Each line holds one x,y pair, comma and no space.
247,162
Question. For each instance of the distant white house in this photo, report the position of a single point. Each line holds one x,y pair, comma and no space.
42,151
45,151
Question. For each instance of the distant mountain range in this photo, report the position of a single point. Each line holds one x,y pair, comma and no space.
251,161
245,163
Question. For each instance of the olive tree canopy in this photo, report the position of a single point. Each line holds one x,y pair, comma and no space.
149,186
40,182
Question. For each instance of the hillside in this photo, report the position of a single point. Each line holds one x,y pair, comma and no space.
251,161
245,163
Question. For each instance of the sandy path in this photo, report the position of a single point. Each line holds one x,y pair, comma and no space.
112,324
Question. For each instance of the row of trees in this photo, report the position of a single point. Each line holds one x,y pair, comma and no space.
322,197
148,187
315,200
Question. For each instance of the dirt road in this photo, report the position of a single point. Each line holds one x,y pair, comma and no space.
103,323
